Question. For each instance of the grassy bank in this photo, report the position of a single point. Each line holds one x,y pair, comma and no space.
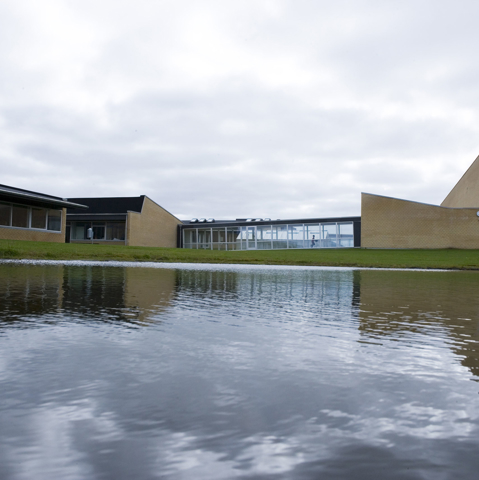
460,259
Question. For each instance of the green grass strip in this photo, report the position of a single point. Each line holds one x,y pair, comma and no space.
351,257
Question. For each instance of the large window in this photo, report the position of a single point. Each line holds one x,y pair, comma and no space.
78,230
266,237
346,234
39,218
55,220
20,216
99,230
111,231
115,231
5,214
23,216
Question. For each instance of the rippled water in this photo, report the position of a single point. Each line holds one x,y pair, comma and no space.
223,372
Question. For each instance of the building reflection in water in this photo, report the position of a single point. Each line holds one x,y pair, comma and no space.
400,304
302,294
393,305
88,293
117,294
28,291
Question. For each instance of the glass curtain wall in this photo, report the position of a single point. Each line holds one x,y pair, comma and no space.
267,237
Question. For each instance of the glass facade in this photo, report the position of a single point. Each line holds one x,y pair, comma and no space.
267,237
36,218
110,231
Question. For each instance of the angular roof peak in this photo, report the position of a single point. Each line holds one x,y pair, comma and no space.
465,193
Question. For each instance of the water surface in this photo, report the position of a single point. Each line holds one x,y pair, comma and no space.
237,372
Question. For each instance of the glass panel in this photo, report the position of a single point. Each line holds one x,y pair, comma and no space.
98,231
279,232
190,235
204,238
221,235
5,214
241,242
233,237
346,235
78,230
232,234
55,220
328,232
312,236
263,232
115,231
295,236
20,216
39,218
251,237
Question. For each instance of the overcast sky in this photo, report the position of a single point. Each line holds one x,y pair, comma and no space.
225,109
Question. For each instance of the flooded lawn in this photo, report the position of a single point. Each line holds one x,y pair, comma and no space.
224,372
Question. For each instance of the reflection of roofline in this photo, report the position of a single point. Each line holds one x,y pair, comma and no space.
14,192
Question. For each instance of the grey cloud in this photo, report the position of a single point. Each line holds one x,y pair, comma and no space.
235,146
274,155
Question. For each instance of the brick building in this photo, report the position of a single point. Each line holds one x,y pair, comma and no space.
134,221
27,215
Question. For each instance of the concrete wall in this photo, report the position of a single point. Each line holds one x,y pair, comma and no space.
466,191
153,227
393,223
12,233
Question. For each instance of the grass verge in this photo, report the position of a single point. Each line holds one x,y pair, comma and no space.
353,257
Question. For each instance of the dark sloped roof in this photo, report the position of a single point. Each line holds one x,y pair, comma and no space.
107,205
12,194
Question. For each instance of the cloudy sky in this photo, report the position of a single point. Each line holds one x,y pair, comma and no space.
225,109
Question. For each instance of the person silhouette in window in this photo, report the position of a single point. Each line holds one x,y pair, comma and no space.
313,242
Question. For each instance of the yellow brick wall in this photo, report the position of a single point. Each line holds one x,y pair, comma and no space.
394,223
9,233
153,227
466,192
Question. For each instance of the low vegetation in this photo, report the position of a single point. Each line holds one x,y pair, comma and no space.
352,257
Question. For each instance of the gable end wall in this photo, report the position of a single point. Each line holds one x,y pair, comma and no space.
394,223
153,227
